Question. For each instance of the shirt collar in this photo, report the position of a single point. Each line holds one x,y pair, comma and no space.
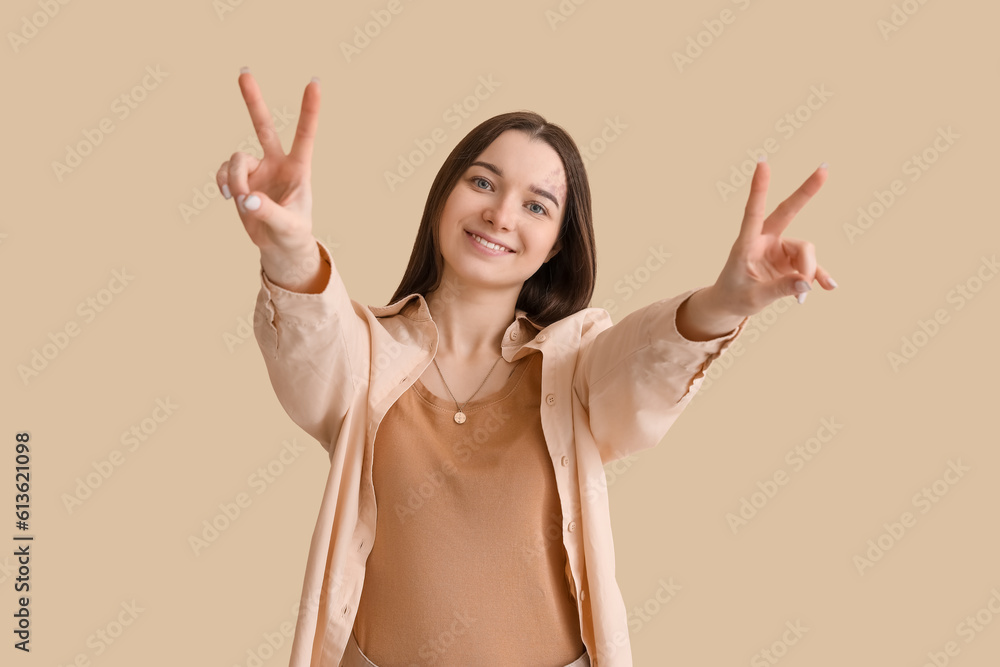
414,306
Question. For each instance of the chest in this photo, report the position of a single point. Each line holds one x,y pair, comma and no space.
478,380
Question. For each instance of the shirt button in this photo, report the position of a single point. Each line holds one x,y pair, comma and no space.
572,526
541,338
550,399
564,461
513,335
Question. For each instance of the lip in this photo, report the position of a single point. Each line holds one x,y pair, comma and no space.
491,240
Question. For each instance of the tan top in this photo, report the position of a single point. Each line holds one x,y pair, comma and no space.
468,564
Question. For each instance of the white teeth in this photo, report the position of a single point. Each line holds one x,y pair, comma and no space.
486,243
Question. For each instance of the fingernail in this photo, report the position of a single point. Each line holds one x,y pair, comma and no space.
251,203
762,157
225,191
315,79
802,286
824,165
239,202
833,282
244,70
802,297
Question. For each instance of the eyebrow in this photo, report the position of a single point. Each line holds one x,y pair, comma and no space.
499,172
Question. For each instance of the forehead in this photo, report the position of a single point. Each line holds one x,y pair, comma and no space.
524,159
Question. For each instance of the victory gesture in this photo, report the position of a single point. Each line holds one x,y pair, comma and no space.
763,266
273,195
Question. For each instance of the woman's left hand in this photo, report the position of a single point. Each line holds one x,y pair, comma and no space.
762,266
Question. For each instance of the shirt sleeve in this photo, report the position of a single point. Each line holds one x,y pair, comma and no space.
309,343
635,378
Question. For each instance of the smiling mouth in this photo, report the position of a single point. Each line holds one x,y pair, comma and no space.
481,241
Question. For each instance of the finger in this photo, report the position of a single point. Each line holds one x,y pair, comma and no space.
305,131
260,116
222,180
825,279
786,210
802,257
753,215
241,165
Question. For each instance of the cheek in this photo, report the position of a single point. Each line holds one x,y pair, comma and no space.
456,206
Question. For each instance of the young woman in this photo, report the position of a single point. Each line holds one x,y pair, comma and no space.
480,405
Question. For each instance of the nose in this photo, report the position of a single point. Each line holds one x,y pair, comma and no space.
502,212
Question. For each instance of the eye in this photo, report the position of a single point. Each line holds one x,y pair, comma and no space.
475,180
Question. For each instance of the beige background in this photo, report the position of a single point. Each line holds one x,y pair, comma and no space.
178,330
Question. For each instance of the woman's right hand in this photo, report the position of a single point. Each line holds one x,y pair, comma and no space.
273,195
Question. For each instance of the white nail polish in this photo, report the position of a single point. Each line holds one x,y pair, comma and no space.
239,202
833,282
244,70
801,298
251,203
225,191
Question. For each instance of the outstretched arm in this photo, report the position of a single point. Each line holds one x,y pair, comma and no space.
635,378
306,325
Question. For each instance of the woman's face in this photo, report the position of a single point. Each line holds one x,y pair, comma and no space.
514,194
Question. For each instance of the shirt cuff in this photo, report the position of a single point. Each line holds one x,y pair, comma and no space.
302,311
693,355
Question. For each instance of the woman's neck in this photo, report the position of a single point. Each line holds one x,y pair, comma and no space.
471,325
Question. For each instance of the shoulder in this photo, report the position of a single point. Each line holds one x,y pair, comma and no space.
576,330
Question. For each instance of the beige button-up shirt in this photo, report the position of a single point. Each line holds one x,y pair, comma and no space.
608,391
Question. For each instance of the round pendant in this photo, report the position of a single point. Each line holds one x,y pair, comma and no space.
459,417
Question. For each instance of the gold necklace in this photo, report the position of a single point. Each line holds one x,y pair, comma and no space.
460,416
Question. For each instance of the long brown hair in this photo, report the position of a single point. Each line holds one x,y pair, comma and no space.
561,286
